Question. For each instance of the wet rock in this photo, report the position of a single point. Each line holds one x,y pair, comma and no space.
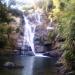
48,46
61,70
11,65
39,49
29,53
73,65
31,18
22,33
54,53
59,64
47,54
26,48
41,36
70,73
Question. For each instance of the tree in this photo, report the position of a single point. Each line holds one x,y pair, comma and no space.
5,30
4,13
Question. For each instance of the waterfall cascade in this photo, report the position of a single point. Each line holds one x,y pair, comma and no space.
29,29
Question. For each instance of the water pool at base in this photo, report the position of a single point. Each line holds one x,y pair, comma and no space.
32,66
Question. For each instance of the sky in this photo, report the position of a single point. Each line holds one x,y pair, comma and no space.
25,1
19,3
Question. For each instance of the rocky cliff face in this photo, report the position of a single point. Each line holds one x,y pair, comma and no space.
15,25
41,39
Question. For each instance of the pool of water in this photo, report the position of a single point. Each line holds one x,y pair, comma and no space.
32,66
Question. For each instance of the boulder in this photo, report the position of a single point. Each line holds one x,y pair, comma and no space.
55,54
11,65
8,64
48,46
70,73
39,49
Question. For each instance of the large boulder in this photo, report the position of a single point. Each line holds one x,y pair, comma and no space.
11,65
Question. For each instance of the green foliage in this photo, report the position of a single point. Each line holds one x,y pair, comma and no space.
3,41
62,5
47,5
69,56
52,36
5,31
4,16
9,30
66,27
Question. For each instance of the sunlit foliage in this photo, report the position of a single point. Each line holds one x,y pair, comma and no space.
4,16
66,27
4,26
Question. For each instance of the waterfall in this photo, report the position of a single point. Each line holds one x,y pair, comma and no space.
29,26
29,29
